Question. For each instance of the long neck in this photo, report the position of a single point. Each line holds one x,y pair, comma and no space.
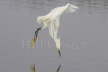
67,5
66,8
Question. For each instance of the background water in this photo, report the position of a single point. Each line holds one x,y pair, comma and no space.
84,37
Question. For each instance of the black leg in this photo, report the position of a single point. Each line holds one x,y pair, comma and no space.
59,52
36,32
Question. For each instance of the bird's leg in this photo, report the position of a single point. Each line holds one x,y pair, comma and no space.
57,42
33,42
36,32
35,37
59,52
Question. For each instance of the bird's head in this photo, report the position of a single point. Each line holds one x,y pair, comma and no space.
71,7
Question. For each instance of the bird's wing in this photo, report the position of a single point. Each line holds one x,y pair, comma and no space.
53,28
57,12
53,31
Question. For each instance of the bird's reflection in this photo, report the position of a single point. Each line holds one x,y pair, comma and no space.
58,69
34,68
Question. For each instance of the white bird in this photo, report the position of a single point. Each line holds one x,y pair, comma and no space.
52,21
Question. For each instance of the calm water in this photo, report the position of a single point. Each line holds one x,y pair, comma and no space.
84,36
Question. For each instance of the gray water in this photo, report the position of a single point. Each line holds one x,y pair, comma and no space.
84,37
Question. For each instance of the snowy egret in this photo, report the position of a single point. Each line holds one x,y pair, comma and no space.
52,21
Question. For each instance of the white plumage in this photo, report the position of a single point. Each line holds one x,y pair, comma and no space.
51,20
